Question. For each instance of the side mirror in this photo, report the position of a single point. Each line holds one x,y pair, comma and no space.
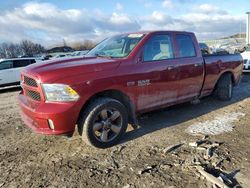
140,60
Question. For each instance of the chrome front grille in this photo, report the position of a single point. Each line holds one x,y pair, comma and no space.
33,95
29,81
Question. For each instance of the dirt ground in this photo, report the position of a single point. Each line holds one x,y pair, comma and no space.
142,158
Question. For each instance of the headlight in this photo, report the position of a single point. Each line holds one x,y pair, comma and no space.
59,93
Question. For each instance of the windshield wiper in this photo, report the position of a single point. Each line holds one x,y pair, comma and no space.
100,55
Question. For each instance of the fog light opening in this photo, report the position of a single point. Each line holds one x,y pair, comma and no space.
51,124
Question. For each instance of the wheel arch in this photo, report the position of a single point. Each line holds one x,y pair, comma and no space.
223,74
118,95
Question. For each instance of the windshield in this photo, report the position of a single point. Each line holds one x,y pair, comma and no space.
116,47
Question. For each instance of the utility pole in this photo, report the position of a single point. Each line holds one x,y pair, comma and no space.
248,29
240,31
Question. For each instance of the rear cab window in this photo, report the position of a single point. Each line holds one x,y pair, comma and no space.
159,47
6,65
185,45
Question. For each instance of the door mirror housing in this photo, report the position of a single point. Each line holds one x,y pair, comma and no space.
139,59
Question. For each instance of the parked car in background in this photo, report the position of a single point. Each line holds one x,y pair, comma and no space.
80,53
46,57
232,46
10,70
58,56
62,55
122,77
205,49
219,51
246,58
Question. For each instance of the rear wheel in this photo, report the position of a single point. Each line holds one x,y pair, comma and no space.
224,89
103,123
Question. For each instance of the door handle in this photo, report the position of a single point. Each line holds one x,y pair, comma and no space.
198,64
171,67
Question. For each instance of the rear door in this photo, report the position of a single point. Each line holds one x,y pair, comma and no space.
191,68
7,74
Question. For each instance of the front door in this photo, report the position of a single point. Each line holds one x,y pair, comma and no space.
158,84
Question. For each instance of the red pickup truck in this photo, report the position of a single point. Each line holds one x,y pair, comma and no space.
123,76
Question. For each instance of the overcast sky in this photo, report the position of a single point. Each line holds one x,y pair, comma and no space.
49,22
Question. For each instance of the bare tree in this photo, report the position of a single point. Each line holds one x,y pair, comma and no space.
27,48
3,49
86,45
14,50
64,43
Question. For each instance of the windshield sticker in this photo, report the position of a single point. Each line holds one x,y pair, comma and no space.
135,35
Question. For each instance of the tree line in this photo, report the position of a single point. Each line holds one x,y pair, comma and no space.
24,48
85,45
29,48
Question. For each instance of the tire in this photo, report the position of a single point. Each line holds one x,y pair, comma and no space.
224,89
103,123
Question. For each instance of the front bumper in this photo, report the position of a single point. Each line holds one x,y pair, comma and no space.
246,70
63,115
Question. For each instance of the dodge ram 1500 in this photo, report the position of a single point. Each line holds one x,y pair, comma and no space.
123,76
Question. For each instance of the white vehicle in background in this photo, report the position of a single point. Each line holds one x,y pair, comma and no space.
10,70
80,53
246,58
61,55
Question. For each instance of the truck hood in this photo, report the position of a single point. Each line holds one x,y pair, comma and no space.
52,70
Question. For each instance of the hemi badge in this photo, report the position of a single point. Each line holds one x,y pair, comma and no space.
132,83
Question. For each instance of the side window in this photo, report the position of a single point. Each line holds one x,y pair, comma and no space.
6,65
159,47
185,45
21,63
132,43
32,61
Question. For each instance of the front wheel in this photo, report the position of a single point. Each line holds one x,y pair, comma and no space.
103,123
224,88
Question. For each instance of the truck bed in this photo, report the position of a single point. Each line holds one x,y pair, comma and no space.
216,65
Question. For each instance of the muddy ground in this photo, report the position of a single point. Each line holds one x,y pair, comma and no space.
31,160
